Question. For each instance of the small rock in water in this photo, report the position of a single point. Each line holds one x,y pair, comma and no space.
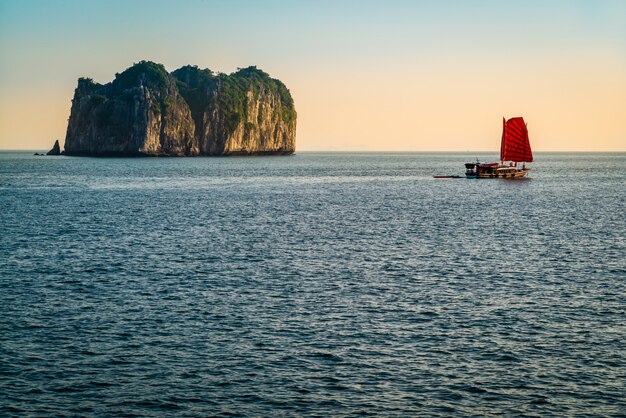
56,149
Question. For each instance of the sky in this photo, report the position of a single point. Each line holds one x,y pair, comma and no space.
365,75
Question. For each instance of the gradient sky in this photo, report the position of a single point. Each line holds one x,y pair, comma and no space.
365,75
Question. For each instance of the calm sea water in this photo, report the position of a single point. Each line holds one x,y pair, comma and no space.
317,284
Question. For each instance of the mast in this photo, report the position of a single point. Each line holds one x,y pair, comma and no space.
502,141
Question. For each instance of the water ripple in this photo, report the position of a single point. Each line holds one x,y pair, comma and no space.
324,285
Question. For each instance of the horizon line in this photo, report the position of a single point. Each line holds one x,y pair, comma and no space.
370,151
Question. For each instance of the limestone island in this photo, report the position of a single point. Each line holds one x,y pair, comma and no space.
189,112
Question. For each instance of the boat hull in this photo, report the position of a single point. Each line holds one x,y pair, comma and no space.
494,171
503,175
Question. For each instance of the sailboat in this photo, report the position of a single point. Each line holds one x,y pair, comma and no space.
514,149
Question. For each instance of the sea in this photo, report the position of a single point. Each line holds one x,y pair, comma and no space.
319,284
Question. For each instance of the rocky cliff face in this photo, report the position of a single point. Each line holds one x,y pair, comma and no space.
147,111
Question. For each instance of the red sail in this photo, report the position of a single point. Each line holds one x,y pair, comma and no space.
515,144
